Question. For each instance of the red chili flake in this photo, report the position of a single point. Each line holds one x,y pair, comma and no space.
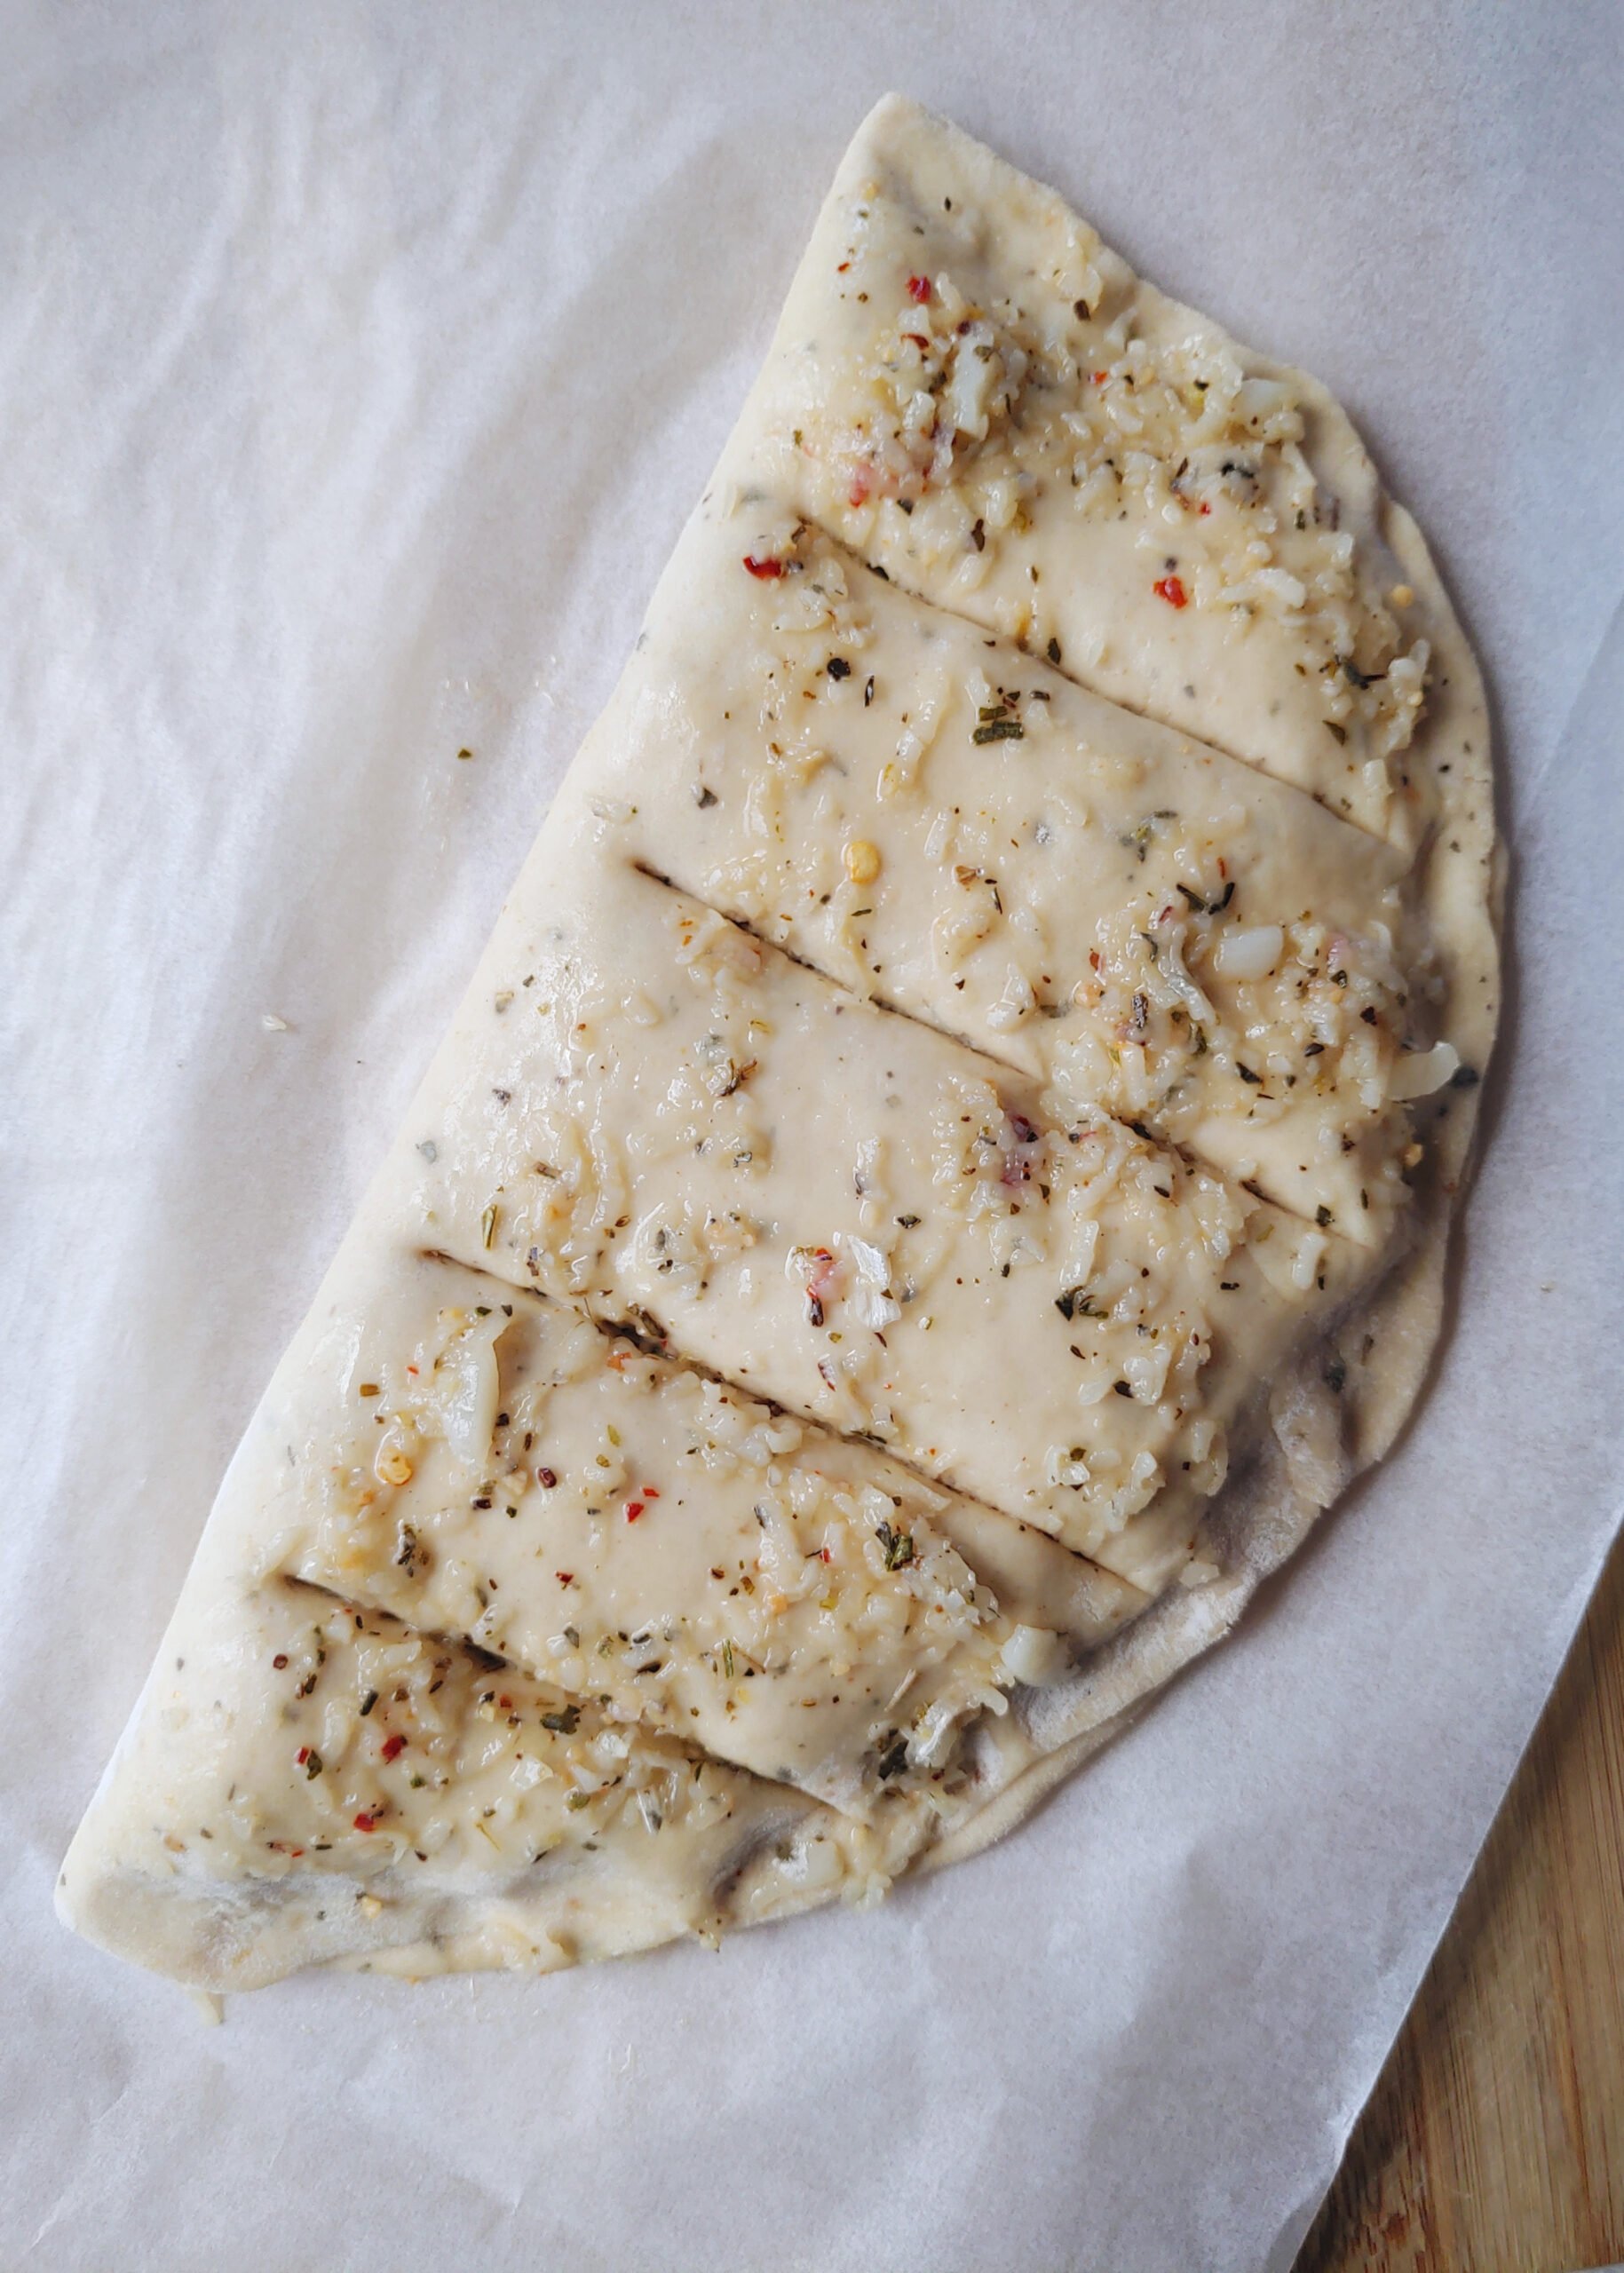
1204,507
1169,588
919,288
766,569
1100,377
365,1822
825,1555
393,1746
1024,1133
842,268
634,1508
919,340
411,1370
506,1704
564,1578
302,1754
1094,958
651,1491
819,1281
547,1477
278,1660
858,493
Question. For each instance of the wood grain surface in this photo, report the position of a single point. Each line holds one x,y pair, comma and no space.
1494,2140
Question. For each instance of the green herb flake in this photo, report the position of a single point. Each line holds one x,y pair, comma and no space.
898,1545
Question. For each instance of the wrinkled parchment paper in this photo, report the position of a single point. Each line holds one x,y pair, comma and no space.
357,367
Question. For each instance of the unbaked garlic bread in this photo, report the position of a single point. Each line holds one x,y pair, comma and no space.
943,1170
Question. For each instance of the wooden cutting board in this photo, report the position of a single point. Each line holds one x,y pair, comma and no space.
1494,2140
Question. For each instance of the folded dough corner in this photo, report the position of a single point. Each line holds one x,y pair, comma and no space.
942,1172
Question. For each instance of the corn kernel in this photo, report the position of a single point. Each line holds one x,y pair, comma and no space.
862,861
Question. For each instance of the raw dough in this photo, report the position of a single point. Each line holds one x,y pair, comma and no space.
943,1170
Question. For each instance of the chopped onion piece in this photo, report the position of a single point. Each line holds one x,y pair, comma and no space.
1251,954
1420,1074
1034,1655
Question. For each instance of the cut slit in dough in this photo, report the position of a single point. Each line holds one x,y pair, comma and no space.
644,1539
952,827
860,1218
988,1333
967,387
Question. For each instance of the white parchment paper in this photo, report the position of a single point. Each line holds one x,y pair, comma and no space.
357,367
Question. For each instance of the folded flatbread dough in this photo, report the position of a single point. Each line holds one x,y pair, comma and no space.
943,1170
